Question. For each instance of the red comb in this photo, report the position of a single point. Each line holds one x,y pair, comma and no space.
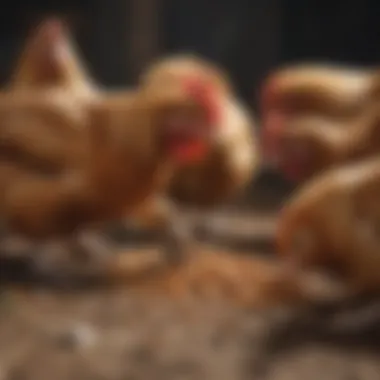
204,91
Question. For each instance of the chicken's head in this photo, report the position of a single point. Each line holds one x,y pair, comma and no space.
192,97
329,92
281,104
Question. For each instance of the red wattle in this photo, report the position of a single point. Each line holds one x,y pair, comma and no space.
189,151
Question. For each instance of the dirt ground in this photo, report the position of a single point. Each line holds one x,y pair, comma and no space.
224,314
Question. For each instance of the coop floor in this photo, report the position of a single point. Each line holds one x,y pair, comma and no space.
204,319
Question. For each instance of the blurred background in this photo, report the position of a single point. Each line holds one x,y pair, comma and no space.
142,340
248,38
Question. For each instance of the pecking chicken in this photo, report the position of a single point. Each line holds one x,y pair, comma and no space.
233,158
60,174
234,155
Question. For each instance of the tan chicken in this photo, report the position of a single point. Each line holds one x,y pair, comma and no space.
233,158
312,144
123,154
228,165
333,223
300,96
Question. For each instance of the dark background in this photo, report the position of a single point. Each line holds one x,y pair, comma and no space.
248,37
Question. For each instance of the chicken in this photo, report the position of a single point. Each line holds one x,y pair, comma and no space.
332,223
229,165
300,95
120,157
312,144
234,156
231,162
